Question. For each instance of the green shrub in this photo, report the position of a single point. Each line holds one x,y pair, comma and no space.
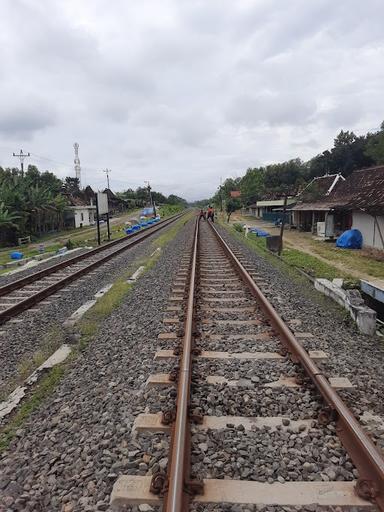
239,227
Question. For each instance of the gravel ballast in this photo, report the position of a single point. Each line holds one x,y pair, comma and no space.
351,354
68,454
41,330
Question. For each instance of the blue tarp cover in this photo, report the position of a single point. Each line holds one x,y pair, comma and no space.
259,232
351,239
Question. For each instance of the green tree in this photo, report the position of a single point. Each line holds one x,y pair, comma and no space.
283,180
231,206
252,185
375,146
71,185
7,219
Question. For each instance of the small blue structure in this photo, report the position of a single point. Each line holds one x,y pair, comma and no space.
16,255
351,239
259,232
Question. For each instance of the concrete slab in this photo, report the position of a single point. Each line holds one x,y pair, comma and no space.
152,423
341,383
168,354
227,310
251,337
174,308
176,298
79,313
103,291
13,400
135,276
319,355
230,322
174,320
159,380
156,251
134,490
167,336
209,300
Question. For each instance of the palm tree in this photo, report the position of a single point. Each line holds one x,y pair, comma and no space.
7,218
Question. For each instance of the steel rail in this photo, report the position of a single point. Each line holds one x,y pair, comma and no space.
367,458
24,304
176,499
19,283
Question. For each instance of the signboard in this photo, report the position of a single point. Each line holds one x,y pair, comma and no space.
102,203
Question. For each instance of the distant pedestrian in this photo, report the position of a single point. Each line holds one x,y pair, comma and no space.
211,213
202,215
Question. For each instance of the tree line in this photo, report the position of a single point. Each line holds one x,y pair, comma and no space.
35,202
349,153
140,197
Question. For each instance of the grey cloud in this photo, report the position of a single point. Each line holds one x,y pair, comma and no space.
272,109
23,119
183,92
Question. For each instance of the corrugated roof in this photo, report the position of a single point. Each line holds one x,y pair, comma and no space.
317,206
363,189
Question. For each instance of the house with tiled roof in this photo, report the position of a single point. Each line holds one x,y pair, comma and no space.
356,202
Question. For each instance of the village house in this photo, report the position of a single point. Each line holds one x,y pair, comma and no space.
269,209
356,202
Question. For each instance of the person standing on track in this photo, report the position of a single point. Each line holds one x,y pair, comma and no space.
202,215
211,213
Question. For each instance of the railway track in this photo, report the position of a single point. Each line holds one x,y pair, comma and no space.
24,293
254,420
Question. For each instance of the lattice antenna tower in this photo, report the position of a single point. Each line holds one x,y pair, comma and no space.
77,163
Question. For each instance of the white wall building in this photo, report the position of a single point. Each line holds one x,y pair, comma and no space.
371,227
84,215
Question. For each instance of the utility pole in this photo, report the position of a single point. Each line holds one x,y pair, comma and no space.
107,171
22,156
150,199
221,195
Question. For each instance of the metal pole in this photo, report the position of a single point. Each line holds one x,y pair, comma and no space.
282,225
109,231
98,222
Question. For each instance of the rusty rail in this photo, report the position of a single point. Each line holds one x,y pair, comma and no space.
177,496
19,283
21,306
365,455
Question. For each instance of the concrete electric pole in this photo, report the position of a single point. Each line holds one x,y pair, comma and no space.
22,156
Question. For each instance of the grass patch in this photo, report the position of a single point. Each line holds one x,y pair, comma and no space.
293,257
42,391
170,233
312,265
50,343
359,260
93,318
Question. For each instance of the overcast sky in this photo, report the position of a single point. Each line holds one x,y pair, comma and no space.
183,92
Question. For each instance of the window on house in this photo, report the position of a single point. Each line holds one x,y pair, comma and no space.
82,216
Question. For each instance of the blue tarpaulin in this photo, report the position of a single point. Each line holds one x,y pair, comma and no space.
351,239
259,232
